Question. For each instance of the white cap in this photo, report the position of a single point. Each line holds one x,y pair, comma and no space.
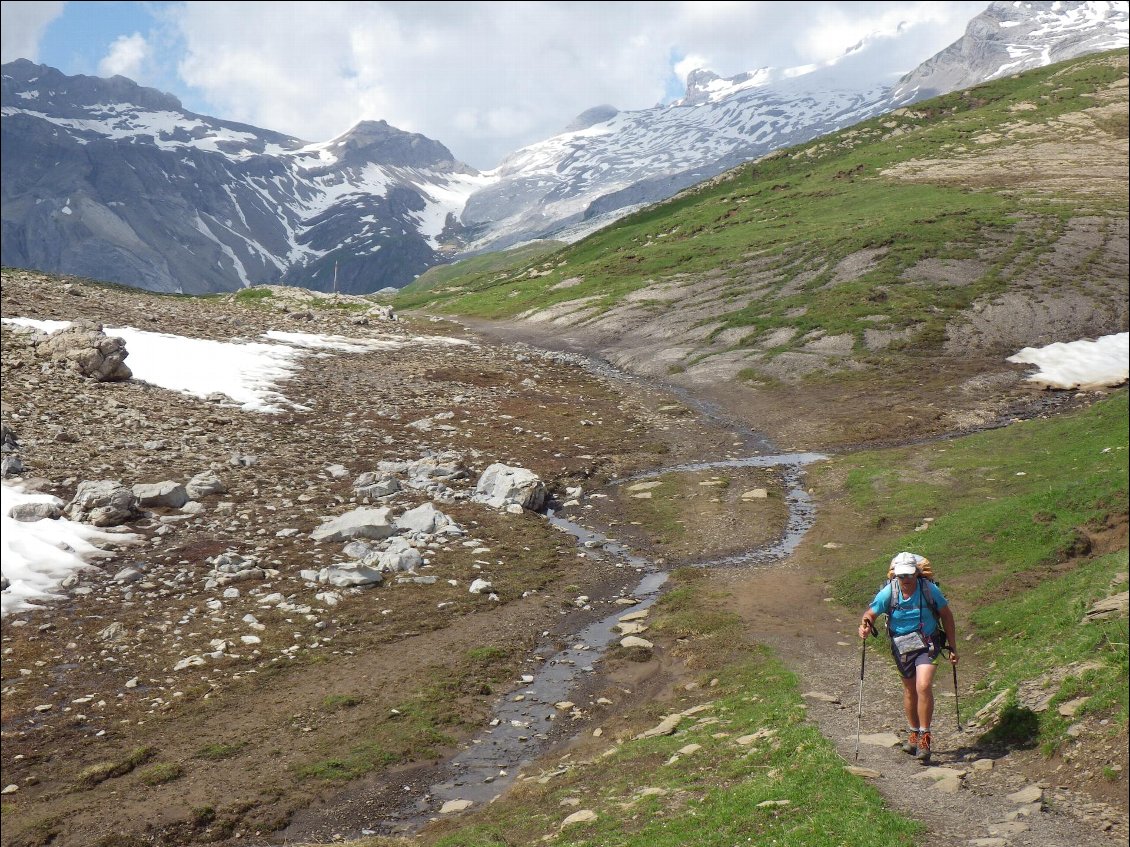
905,564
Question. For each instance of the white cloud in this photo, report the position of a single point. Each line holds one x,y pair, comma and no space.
486,78
22,26
690,63
127,57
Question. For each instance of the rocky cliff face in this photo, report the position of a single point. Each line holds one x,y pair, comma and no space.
106,179
1010,37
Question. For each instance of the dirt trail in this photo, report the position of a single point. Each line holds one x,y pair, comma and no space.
787,608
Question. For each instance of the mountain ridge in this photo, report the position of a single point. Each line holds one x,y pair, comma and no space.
148,194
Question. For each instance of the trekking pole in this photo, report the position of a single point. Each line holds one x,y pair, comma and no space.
862,666
956,705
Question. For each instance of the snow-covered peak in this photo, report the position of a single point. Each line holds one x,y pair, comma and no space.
1010,37
705,86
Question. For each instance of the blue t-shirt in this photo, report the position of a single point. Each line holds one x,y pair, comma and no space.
907,615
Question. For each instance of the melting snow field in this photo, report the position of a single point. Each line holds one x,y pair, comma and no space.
247,372
38,555
1080,364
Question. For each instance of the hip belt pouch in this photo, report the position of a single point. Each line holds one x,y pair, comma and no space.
912,642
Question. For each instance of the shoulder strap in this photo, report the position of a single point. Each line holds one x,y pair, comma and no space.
928,593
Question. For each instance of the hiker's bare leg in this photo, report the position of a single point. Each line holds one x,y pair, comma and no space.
924,683
910,701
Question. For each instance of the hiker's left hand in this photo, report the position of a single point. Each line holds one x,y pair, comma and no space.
953,658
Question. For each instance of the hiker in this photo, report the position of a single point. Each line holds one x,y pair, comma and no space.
913,604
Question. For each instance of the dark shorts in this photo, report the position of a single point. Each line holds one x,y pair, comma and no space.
908,666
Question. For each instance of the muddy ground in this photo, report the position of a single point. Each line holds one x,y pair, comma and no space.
317,730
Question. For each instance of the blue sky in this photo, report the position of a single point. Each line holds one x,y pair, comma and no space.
484,78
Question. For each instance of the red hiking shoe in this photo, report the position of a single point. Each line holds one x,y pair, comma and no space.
923,753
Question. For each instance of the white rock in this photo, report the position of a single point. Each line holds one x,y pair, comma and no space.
452,806
583,816
635,641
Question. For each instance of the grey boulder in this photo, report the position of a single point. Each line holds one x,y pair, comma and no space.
360,523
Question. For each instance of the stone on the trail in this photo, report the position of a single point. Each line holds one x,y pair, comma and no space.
880,739
479,586
767,804
501,485
452,806
949,785
103,502
939,774
865,773
643,495
1031,794
820,697
360,523
645,486
756,494
983,765
204,484
689,749
564,705
424,518
636,641
189,662
583,816
11,788
168,494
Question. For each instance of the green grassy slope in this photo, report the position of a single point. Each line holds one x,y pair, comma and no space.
1027,532
784,223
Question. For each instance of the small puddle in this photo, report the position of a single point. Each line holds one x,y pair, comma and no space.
520,723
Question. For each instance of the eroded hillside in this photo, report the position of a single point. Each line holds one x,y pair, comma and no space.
935,240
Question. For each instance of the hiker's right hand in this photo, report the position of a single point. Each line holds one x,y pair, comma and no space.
864,629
